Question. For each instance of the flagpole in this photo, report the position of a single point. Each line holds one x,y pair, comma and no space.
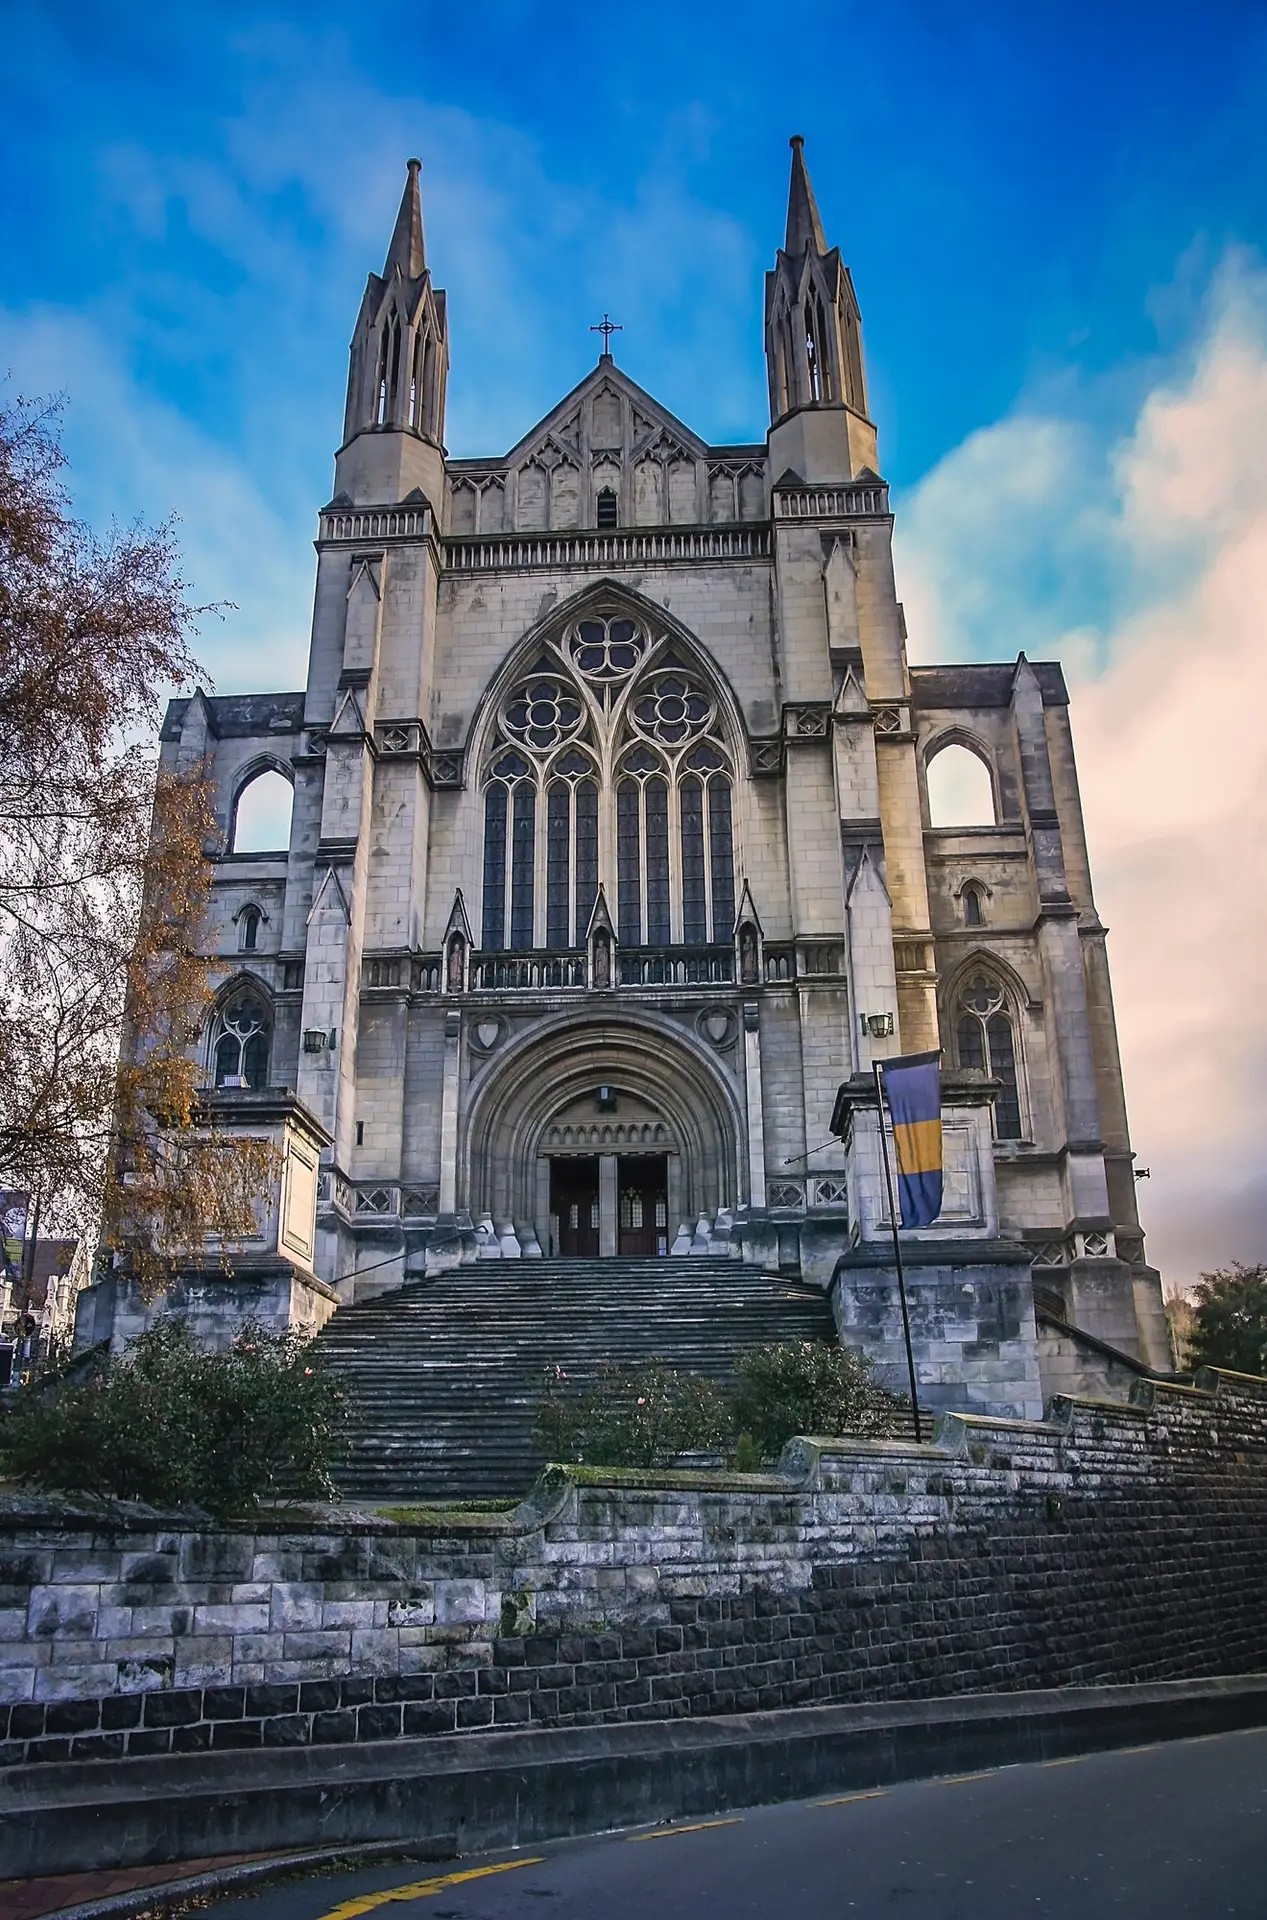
897,1253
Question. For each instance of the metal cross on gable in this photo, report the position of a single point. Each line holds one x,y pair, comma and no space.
607,326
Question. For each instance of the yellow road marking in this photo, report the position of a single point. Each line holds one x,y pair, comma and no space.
961,1779
845,1799
1151,1747
419,1889
667,1833
1070,1760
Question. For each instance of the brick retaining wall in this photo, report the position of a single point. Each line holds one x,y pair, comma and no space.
1109,1544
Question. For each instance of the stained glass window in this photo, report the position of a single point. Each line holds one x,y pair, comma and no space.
628,863
558,861
586,856
494,919
694,900
656,793
721,858
522,861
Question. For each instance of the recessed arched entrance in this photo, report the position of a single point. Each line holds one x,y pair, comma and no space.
605,1135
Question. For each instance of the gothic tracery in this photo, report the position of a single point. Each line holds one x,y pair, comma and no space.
609,757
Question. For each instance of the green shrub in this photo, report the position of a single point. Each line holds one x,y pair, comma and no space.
1228,1319
805,1386
639,1416
173,1425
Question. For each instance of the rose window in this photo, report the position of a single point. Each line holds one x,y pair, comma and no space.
674,709
541,713
607,650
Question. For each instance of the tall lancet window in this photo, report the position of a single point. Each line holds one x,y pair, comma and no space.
571,849
610,741
510,808
708,864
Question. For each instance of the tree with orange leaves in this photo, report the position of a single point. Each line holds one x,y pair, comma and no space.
104,879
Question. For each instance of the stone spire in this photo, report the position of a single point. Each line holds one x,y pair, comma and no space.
813,343
804,227
393,424
407,250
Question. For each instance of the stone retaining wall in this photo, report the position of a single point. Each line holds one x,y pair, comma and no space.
1109,1544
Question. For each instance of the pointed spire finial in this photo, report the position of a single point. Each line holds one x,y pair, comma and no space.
406,250
804,227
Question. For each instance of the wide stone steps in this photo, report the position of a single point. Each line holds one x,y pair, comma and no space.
442,1377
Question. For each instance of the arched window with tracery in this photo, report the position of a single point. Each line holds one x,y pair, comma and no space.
986,1039
612,741
240,1040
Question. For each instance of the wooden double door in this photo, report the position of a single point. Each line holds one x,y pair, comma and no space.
638,1197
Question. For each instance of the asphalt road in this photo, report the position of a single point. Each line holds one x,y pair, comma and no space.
1176,1829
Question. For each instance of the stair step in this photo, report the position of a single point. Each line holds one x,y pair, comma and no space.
442,1376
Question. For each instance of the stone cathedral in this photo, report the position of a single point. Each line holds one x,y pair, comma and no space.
611,871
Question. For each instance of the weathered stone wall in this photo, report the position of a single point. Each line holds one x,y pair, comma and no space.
1109,1544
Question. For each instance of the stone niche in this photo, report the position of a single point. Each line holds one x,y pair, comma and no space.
269,1278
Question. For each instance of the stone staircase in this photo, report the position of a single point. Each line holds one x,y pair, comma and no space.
442,1377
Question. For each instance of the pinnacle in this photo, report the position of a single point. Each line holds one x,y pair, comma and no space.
804,226
407,250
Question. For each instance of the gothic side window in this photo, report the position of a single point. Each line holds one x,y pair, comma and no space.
239,1049
986,1040
608,509
609,741
249,929
973,905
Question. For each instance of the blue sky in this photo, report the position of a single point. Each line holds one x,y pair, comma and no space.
1056,217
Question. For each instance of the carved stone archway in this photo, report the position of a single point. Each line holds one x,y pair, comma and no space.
677,1103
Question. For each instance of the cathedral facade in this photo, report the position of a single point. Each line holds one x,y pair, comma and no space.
611,871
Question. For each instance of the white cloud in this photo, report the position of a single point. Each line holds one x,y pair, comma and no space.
134,457
1169,683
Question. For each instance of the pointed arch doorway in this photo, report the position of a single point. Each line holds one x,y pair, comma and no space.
609,1159
605,1137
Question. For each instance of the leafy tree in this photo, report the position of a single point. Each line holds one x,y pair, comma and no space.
1229,1319
175,1426
103,883
805,1386
632,1416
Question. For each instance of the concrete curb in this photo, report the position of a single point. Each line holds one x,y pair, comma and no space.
478,1792
251,1873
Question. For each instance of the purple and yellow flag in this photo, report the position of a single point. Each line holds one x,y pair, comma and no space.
912,1087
